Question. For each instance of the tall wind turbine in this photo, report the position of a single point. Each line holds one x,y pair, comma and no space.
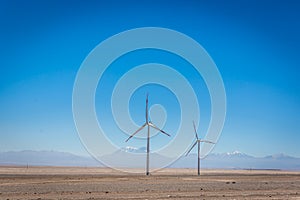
198,141
148,124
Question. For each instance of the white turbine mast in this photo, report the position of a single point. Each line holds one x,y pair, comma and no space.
148,124
198,141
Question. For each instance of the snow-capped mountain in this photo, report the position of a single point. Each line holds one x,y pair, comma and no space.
130,149
131,157
239,160
237,154
234,154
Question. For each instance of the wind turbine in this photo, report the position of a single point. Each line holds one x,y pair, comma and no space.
148,124
198,141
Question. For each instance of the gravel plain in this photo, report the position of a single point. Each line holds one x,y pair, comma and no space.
104,183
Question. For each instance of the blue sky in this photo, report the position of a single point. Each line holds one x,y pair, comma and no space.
255,45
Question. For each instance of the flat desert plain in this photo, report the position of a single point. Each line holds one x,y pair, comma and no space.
104,183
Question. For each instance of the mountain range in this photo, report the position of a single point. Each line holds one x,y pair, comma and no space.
45,158
136,158
238,160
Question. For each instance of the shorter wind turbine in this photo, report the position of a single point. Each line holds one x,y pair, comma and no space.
148,124
198,141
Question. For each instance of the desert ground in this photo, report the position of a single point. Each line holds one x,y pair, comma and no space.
104,183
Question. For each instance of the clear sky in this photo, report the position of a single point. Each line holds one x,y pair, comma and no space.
255,45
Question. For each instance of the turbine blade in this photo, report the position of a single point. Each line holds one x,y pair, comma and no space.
191,148
147,108
207,141
155,127
195,130
136,131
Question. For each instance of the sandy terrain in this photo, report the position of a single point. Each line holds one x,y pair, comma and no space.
97,183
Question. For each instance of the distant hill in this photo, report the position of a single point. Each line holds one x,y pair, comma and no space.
130,157
136,158
45,158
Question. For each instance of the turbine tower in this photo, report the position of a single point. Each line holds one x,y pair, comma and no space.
148,124
198,141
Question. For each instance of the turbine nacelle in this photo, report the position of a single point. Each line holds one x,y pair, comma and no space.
206,141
